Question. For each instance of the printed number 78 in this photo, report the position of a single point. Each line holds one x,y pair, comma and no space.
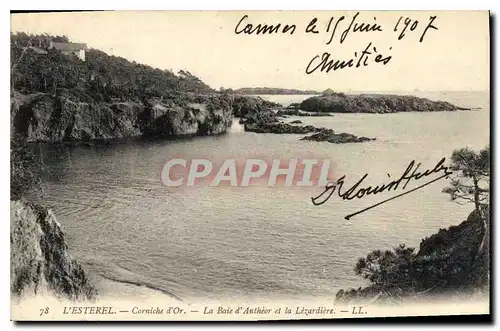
44,311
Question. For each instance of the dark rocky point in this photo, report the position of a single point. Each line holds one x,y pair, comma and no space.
40,261
44,117
280,127
374,103
336,138
296,112
266,121
447,262
244,106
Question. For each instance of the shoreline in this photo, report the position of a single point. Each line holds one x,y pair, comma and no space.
110,288
115,289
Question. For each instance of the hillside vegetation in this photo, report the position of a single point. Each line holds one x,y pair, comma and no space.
57,97
101,77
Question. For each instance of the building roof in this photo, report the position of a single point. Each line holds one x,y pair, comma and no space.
69,46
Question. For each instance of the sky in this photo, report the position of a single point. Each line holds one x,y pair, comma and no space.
453,57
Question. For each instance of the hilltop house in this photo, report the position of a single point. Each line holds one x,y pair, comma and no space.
77,49
37,50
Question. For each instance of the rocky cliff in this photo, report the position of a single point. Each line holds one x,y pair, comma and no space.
40,262
246,106
449,262
374,103
42,117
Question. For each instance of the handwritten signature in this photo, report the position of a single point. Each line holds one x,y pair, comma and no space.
357,192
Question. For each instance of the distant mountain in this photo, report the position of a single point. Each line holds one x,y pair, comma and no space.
272,90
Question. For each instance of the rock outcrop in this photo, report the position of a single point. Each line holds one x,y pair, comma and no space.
266,121
282,128
336,138
40,262
200,116
296,112
48,118
374,103
245,106
447,262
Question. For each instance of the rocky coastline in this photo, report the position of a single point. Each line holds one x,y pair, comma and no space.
40,262
297,112
336,138
43,264
448,262
280,128
48,118
44,117
374,103
262,118
59,99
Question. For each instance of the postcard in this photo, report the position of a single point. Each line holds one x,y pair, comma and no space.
249,165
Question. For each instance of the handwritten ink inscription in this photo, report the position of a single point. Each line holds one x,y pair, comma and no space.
342,28
411,173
